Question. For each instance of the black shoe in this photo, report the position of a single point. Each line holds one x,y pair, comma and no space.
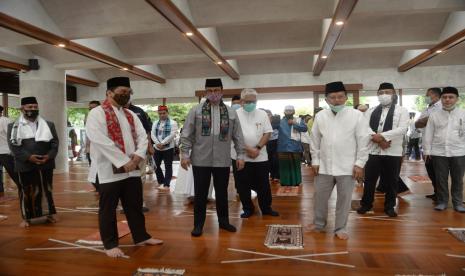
197,231
363,210
432,196
272,213
228,227
247,214
391,213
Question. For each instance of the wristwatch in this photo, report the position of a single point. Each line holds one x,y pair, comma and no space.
259,147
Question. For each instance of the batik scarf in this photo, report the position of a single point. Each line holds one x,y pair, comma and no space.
114,128
207,120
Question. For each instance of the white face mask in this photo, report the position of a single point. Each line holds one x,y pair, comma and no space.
385,99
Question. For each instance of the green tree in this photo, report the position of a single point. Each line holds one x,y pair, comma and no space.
77,116
177,111
420,103
13,113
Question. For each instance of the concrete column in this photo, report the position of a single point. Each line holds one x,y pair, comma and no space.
48,85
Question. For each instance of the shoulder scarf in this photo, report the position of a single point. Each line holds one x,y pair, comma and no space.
166,131
376,117
207,120
21,131
114,128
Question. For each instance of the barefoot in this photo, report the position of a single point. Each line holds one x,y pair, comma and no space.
342,236
24,224
114,252
52,219
313,228
151,242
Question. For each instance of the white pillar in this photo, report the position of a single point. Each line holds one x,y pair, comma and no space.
48,85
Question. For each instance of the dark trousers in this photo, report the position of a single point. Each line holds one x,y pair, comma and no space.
96,185
456,167
202,176
413,143
431,173
384,167
254,176
272,150
129,190
8,164
167,157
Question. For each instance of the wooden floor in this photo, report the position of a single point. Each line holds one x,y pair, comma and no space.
413,244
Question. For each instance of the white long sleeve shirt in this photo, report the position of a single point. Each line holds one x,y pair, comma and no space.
339,141
4,121
168,141
103,151
445,133
396,135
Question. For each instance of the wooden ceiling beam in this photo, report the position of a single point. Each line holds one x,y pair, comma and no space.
27,29
13,65
343,10
81,81
438,49
169,10
284,89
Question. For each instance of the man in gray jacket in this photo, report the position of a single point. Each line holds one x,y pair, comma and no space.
206,144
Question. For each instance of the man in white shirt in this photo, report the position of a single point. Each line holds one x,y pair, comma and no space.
163,134
414,136
338,144
6,159
444,143
256,129
433,98
118,144
389,123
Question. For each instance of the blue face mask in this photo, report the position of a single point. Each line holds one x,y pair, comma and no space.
235,106
337,108
249,107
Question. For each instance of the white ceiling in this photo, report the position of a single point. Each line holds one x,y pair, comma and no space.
264,36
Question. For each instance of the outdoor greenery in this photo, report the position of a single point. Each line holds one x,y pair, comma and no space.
420,102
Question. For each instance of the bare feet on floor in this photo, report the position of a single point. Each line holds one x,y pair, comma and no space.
114,252
313,228
52,219
342,236
24,224
151,242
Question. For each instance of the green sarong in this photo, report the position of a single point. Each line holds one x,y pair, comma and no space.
289,168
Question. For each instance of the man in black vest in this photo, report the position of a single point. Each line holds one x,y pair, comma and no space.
34,144
388,123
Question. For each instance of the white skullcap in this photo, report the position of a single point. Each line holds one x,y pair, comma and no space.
289,108
248,91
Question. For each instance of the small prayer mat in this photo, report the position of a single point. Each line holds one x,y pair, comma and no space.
458,233
284,237
420,178
287,191
94,239
158,272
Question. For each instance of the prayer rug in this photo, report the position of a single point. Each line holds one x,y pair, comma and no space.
284,237
94,239
287,191
458,233
158,272
420,178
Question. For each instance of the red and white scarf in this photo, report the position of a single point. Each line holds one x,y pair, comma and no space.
114,128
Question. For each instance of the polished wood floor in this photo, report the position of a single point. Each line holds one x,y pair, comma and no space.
415,243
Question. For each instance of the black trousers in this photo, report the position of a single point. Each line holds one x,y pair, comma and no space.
387,168
455,166
8,164
254,176
96,185
272,150
167,157
413,143
202,176
129,191
431,174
